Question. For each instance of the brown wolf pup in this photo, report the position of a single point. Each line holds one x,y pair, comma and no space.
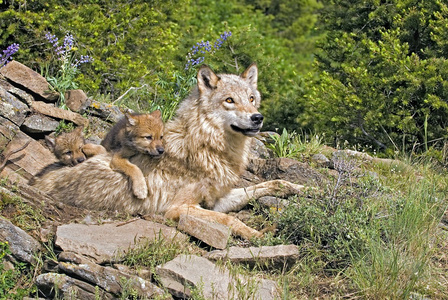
206,150
134,134
71,149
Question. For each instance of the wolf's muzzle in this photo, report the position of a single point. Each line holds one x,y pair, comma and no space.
257,118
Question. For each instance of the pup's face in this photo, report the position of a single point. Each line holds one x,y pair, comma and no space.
67,147
146,133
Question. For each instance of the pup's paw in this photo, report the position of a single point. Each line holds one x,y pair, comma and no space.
140,189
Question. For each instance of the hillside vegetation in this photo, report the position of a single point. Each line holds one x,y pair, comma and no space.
367,75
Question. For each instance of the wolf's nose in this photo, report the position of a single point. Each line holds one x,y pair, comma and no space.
257,118
80,160
160,150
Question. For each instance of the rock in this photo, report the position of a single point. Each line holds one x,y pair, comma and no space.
105,111
211,233
20,94
284,168
59,113
30,160
185,272
11,108
258,148
274,202
321,160
75,99
61,286
31,81
23,247
110,279
37,123
281,256
107,242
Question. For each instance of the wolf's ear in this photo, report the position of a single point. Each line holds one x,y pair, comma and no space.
130,119
50,141
207,79
79,130
156,114
251,75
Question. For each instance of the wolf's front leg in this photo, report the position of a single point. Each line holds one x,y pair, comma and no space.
138,180
238,198
237,227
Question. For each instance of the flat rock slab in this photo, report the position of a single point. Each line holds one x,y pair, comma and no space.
211,233
107,242
22,246
37,123
30,80
185,272
61,286
28,162
281,256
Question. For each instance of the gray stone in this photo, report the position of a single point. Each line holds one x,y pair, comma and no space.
321,160
20,94
11,108
61,286
105,111
110,279
107,242
37,123
24,77
185,272
273,202
23,247
211,233
284,168
281,256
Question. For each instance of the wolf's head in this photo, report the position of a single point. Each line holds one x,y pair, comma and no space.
145,133
67,147
232,100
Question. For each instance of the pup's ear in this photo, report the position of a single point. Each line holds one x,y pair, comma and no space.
251,75
50,141
156,114
130,120
79,131
206,79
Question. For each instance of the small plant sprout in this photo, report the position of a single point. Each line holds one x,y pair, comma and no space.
7,54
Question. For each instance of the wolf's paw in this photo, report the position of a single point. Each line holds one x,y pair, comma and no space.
140,189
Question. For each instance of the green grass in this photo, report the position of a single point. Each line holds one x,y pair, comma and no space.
364,236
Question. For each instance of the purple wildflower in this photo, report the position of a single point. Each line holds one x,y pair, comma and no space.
8,53
82,60
203,48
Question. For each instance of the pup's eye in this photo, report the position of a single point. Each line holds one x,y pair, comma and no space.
251,99
161,137
149,137
69,153
230,100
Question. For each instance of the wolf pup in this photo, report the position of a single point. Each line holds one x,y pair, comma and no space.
134,134
206,150
71,149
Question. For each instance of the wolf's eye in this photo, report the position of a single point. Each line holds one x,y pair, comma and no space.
69,153
149,137
161,137
230,100
251,99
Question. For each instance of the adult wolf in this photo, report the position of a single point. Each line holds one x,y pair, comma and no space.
206,149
